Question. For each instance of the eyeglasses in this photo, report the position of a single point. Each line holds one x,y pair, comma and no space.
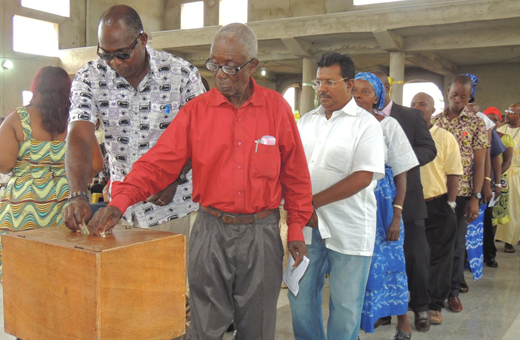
511,112
327,83
119,55
227,69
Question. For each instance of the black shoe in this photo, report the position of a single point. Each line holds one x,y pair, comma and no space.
492,263
422,321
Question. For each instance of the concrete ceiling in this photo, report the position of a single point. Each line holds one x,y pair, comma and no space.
437,37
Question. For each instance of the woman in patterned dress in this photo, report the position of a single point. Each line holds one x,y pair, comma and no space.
509,232
33,151
387,288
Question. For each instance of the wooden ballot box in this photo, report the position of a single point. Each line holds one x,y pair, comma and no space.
63,285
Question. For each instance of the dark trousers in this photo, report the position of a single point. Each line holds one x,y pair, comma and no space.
440,232
490,251
459,256
235,272
417,256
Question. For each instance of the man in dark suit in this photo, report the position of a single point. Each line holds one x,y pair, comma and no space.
416,249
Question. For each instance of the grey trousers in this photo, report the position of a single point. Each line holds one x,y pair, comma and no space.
235,272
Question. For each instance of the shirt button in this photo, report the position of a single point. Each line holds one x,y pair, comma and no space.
240,120
239,193
239,167
239,143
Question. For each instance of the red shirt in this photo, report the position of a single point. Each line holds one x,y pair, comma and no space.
229,172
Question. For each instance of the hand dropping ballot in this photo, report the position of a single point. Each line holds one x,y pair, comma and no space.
292,276
265,140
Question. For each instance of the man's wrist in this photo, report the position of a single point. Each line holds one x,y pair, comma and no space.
78,194
476,195
452,204
181,179
121,202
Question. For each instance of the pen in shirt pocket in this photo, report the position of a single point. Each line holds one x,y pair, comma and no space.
265,140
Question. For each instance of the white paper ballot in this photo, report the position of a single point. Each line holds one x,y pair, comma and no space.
292,276
493,201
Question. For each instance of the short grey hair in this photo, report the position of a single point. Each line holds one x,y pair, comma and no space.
243,34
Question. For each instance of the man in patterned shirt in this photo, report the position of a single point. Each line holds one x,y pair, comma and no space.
470,132
136,92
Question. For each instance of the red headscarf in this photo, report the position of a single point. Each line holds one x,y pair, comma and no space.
493,111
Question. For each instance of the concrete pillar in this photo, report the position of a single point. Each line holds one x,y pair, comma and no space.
397,75
171,15
211,12
307,95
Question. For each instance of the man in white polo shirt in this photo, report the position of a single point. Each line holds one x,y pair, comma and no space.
344,148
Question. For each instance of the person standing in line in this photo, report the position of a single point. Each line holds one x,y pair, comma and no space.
510,232
471,135
387,287
416,249
440,179
500,211
344,147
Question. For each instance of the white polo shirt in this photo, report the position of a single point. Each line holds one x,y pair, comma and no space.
350,141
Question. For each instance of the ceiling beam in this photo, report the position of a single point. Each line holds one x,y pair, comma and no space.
298,47
432,62
389,41
354,22
477,39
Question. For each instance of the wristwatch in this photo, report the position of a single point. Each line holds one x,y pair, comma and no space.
477,195
452,204
182,178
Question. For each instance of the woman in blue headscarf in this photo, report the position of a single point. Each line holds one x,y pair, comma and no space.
387,288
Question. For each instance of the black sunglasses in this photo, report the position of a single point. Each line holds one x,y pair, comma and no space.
119,55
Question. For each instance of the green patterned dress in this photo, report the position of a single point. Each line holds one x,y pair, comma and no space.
38,188
500,211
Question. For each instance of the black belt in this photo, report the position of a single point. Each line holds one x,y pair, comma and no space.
434,198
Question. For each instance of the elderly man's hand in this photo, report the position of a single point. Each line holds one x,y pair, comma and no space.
77,212
297,249
104,220
164,197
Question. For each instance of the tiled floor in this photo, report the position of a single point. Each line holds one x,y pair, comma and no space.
491,309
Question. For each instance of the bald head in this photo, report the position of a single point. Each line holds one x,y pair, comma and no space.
384,79
240,33
121,15
513,115
425,103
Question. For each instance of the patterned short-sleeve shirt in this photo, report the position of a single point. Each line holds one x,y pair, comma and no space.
470,132
134,119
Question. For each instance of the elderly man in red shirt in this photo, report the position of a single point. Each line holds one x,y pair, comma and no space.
246,155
